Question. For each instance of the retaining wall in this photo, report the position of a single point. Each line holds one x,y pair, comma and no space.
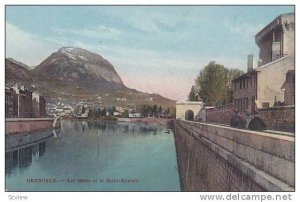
219,158
220,115
279,118
23,125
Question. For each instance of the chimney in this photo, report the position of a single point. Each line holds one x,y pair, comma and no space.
250,63
259,63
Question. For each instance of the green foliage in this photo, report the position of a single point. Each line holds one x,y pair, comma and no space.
154,111
146,110
167,111
97,112
159,109
125,114
111,110
214,84
173,111
103,112
78,109
193,95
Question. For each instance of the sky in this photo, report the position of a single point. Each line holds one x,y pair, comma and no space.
154,49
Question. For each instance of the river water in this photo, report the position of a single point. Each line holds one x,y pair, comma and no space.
95,156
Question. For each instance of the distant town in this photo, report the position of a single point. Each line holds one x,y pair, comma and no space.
23,103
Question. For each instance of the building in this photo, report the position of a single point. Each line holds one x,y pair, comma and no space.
187,110
262,87
245,89
38,105
289,88
10,102
135,115
277,39
24,101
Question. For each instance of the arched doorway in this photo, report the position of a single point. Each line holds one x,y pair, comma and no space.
189,115
257,124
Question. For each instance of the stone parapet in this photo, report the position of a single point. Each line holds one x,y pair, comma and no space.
268,160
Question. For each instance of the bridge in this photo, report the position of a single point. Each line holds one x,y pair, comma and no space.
187,110
220,158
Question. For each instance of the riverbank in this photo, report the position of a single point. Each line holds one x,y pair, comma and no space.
154,121
25,125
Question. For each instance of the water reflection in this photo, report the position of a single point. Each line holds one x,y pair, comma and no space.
90,149
22,158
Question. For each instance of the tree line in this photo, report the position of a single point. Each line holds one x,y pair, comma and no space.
144,110
154,111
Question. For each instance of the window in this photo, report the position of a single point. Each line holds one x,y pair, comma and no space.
244,83
245,103
241,104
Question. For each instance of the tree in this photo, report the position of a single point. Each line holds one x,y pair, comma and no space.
83,109
103,112
193,95
114,109
154,111
94,112
145,110
111,110
125,114
214,84
167,111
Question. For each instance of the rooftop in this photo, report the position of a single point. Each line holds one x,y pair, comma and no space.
277,22
180,102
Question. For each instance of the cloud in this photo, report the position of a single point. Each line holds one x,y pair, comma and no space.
150,21
98,32
168,73
26,47
242,28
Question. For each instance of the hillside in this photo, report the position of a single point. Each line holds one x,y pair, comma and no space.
15,73
71,75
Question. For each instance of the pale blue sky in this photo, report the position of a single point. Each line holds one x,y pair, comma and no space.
155,49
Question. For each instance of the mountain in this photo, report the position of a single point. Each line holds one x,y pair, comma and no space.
16,73
19,63
78,65
72,75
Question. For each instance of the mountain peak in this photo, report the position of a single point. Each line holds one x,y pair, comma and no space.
77,64
71,50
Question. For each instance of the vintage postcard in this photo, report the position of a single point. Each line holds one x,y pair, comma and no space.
151,98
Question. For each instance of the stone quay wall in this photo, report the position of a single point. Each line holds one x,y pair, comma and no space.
219,158
24,125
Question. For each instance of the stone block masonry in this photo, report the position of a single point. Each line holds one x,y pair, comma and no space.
219,158
220,115
279,118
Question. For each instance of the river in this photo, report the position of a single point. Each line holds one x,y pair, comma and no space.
95,156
